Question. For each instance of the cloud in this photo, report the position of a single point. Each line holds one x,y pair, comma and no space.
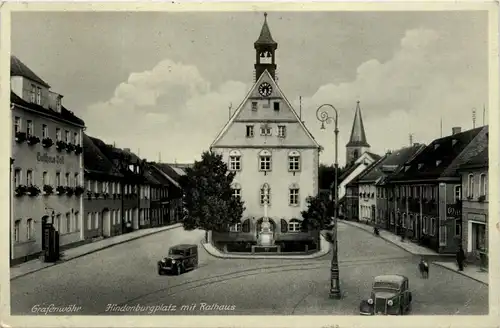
174,110
406,94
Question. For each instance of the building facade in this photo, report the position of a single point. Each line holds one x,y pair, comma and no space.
103,199
46,165
427,191
475,200
174,206
271,151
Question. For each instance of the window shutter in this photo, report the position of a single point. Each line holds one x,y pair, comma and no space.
246,226
284,225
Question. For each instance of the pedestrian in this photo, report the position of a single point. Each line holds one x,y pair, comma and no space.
460,258
423,267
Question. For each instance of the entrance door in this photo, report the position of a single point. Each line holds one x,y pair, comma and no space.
45,226
374,215
106,223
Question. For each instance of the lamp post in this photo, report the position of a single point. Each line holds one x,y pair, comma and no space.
323,117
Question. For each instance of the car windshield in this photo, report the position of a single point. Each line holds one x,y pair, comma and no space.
176,252
385,286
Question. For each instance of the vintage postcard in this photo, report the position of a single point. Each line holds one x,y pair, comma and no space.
250,164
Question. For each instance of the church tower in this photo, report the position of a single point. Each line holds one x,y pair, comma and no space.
265,49
357,144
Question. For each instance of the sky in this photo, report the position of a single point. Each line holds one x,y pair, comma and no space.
162,83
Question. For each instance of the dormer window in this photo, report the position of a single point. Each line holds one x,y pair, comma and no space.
436,146
254,105
438,162
58,104
453,142
407,167
33,93
420,165
38,96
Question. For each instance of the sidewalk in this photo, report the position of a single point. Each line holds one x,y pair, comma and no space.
407,245
73,253
471,271
212,250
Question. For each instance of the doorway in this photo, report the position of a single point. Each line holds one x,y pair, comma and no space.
106,223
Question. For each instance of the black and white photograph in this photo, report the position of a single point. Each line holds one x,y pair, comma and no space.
252,160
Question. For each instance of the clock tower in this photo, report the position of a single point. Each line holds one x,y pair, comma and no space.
265,49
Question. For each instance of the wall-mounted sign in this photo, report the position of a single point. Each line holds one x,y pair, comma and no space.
476,217
453,211
45,158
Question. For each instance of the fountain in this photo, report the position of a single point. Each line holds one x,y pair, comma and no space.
265,240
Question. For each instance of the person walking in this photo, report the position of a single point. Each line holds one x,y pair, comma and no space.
460,258
423,267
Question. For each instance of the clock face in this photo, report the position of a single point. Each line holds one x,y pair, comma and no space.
265,89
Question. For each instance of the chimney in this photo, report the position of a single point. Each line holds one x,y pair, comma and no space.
455,130
127,150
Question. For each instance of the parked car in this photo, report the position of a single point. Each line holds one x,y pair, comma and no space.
181,258
390,296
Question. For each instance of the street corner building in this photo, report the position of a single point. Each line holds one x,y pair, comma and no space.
475,200
425,195
274,156
46,166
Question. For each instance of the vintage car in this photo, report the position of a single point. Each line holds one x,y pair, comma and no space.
390,296
181,258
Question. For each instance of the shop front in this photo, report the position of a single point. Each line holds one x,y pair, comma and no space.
477,239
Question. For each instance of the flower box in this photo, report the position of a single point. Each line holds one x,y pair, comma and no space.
79,190
33,140
70,191
33,191
70,147
78,149
20,137
481,198
60,190
47,142
105,195
21,190
96,195
60,145
48,190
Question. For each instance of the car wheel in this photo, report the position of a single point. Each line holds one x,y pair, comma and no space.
179,270
160,272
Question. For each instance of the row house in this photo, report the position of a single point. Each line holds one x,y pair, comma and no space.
475,201
103,198
159,206
425,201
46,166
173,201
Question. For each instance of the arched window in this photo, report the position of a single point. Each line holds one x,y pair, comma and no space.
17,227
265,160
294,161
470,186
483,185
235,227
236,190
265,190
234,160
29,229
294,225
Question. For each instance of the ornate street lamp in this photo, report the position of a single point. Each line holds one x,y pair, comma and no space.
323,117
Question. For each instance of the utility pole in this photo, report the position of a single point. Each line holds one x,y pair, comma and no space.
411,139
473,118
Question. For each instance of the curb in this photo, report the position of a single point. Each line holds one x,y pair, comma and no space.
461,272
393,243
178,225
220,255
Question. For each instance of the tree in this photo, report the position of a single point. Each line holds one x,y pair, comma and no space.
318,215
209,203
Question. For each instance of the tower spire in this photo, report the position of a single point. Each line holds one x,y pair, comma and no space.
265,48
358,135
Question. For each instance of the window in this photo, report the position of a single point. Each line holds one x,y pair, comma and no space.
29,127
294,196
237,190
45,131
66,180
57,223
58,134
294,225
17,177
39,96
96,186
68,223
480,236
77,221
263,194
281,131
17,226
254,105
265,160
58,104
432,228
77,181
89,221
66,136
470,186
29,178
29,229
33,93
265,130
234,160
235,227
17,124
45,178
392,218
249,131
442,235
482,184
458,228
96,218
58,179
458,192
277,106
76,140
404,221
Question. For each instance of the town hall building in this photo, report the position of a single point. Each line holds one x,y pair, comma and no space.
275,158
